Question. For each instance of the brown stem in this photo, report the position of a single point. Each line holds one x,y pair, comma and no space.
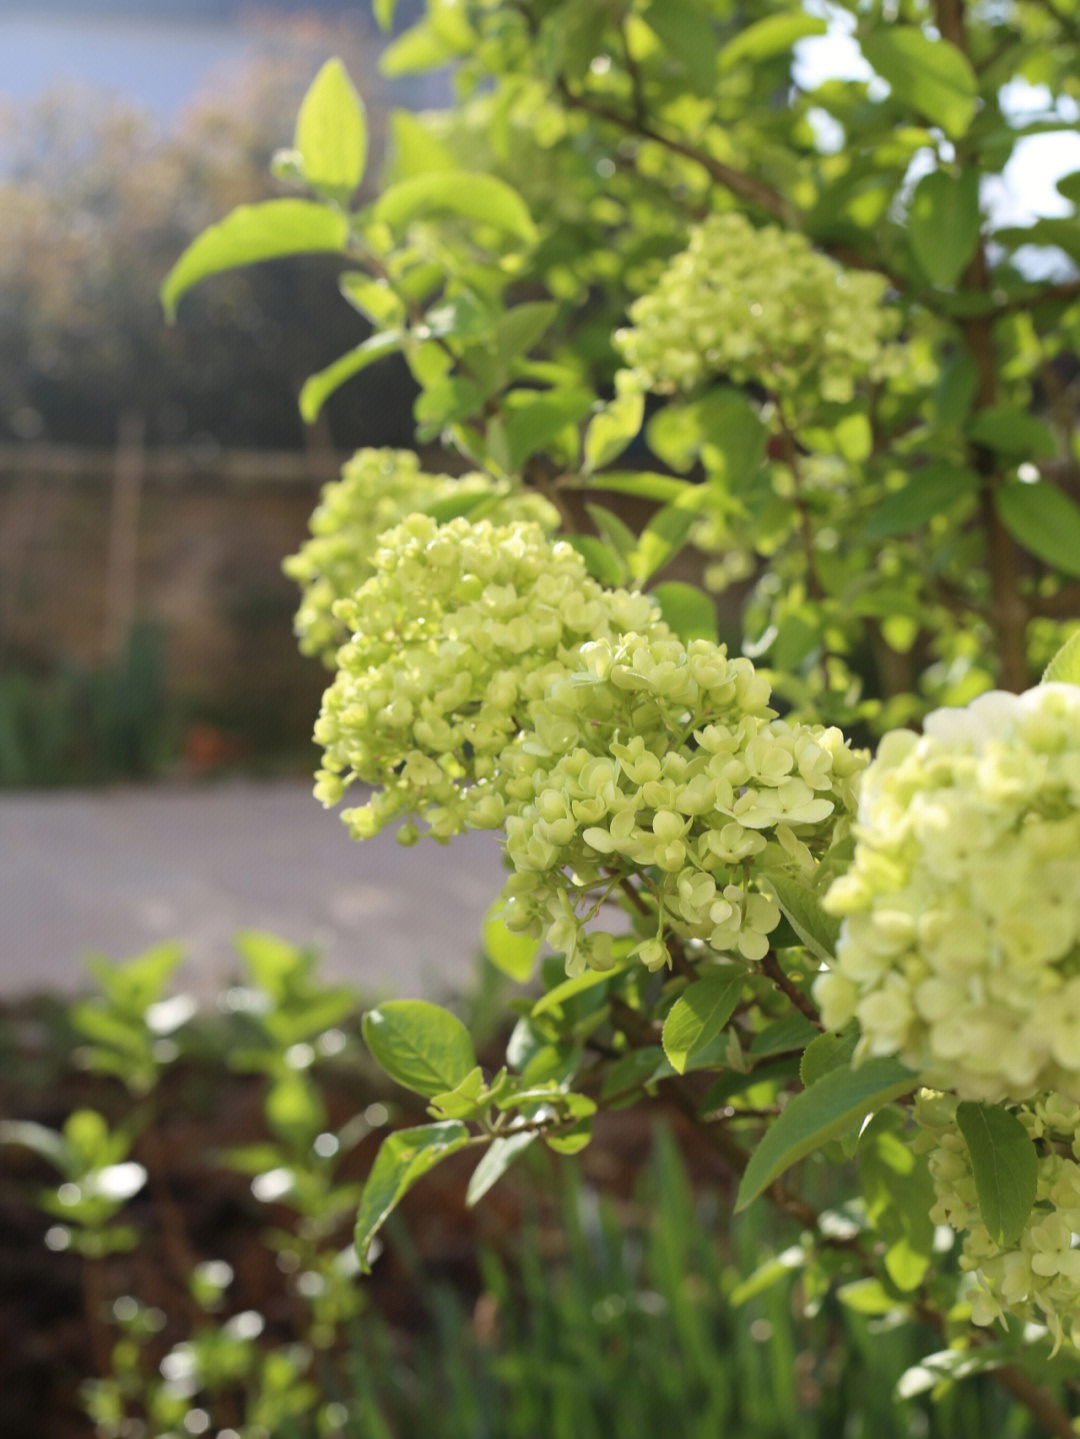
770,966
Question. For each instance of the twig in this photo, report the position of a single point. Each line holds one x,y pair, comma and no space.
770,966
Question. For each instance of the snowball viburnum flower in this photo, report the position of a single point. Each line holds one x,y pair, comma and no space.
758,304
376,491
960,944
1038,1278
461,628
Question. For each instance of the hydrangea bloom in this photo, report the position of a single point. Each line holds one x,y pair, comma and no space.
459,631
960,946
763,305
1038,1278
661,758
377,489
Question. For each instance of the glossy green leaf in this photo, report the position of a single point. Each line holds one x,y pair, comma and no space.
603,563
318,388
471,196
825,1053
515,954
643,484
536,421
820,1113
699,1014
1005,1167
690,612
1045,521
612,428
931,76
331,133
1064,668
498,1157
402,1159
423,1047
1010,431
818,930
764,39
267,231
930,491
943,224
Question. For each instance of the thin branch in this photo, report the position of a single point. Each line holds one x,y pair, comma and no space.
770,966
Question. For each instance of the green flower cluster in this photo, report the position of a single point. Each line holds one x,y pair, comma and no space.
461,630
761,305
960,945
661,763
377,489
1037,1279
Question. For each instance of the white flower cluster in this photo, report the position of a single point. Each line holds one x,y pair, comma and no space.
762,305
1038,1278
461,629
960,946
376,491
662,759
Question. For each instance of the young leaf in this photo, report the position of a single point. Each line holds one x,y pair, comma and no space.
613,531
611,429
699,1014
1005,1167
931,76
819,1114
662,537
498,1157
513,953
331,133
423,1047
532,425
825,1053
943,224
603,563
318,388
471,196
402,1159
251,233
1045,521
689,611
817,930
1064,668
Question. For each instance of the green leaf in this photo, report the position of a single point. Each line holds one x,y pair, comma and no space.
818,930
331,133
774,35
663,537
943,224
536,420
643,484
469,195
465,1101
45,1143
513,953
1011,431
820,1113
931,76
573,1139
613,531
899,1195
689,34
402,1159
294,1109
252,233
792,1031
423,1047
603,563
498,1157
698,1016
689,611
1045,521
133,985
825,1053
519,329
1064,668
318,388
612,428
1005,1167
722,426
383,10
867,1296
930,491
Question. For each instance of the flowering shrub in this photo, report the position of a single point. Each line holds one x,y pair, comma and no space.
750,320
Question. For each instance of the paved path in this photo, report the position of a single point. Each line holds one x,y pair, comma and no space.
115,871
